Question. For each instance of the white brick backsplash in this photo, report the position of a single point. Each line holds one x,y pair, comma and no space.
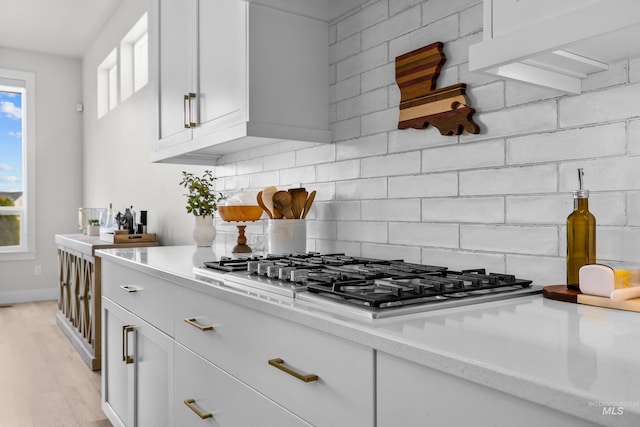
517,93
345,89
615,75
431,185
634,137
391,28
346,129
344,211
392,164
459,260
444,31
375,100
618,243
369,15
280,161
497,200
530,118
542,271
510,239
321,153
487,97
338,171
634,208
582,143
362,189
618,103
464,209
374,145
435,235
464,156
382,76
607,174
413,139
296,176
391,252
263,179
471,20
345,48
396,209
363,231
362,62
321,230
380,121
513,180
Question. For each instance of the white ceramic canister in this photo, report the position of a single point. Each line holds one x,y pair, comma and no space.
286,236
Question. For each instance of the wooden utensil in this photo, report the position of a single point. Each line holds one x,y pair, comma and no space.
308,204
298,199
261,203
282,202
267,199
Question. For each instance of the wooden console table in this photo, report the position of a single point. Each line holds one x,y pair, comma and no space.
79,295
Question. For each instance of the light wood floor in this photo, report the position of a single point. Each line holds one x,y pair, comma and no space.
43,380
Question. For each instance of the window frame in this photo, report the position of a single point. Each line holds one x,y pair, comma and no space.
27,248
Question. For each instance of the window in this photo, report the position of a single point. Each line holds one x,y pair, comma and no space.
17,165
134,59
108,83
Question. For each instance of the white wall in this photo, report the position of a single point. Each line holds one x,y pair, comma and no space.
497,200
58,170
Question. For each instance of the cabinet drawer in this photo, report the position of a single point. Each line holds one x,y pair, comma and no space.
230,403
150,298
242,342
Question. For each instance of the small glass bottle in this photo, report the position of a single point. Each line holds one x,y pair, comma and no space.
581,235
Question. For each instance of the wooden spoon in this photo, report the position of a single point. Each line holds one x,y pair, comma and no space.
282,202
308,204
261,203
298,199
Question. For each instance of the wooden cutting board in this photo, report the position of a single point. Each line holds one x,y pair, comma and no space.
561,293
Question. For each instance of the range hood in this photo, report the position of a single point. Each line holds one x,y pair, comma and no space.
558,46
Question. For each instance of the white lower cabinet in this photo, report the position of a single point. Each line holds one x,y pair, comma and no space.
205,395
412,395
137,364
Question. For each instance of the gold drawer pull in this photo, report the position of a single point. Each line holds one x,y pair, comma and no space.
192,321
128,288
125,344
190,404
279,363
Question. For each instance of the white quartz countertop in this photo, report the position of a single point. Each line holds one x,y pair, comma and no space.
577,359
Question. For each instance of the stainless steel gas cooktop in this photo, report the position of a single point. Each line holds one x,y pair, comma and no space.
367,287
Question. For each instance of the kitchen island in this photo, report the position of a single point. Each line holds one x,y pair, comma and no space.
523,361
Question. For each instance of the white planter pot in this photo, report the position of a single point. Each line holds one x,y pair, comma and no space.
204,232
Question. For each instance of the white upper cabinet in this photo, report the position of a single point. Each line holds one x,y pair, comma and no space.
555,43
232,75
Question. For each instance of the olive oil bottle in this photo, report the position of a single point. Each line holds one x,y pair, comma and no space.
581,235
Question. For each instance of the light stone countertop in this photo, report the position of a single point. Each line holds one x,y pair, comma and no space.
570,357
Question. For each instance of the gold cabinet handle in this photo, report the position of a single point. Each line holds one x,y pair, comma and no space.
190,405
279,363
125,344
192,105
128,288
192,321
185,105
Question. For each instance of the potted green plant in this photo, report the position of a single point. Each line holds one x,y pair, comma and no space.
93,228
202,202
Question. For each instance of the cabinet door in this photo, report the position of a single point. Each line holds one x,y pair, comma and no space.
221,65
206,395
175,45
137,369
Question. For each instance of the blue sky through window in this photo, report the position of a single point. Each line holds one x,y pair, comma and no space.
10,140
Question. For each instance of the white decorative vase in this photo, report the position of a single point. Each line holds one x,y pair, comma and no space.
204,232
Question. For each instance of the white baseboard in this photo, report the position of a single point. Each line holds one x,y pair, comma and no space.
15,297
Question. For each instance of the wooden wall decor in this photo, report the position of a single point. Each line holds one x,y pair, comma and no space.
421,103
